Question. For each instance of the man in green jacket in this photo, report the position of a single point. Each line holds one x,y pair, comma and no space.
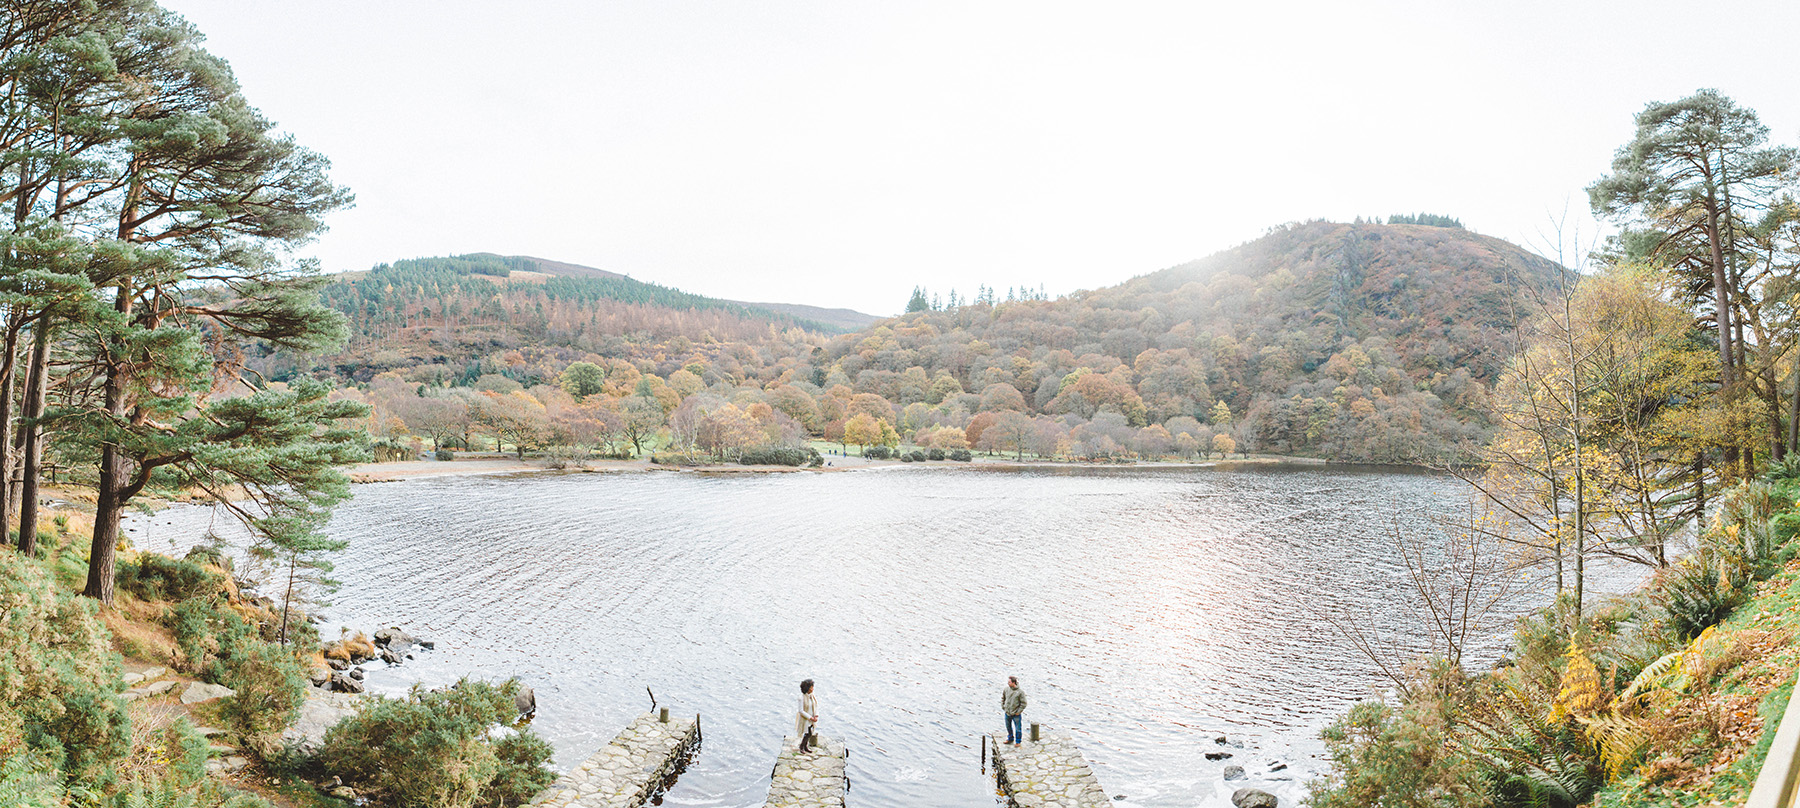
1012,702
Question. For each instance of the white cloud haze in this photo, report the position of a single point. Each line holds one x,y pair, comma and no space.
838,153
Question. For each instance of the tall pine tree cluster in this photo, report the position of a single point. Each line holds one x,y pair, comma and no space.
152,213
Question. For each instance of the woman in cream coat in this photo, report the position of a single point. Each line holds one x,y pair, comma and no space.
807,716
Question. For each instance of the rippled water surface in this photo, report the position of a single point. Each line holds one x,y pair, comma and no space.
1147,612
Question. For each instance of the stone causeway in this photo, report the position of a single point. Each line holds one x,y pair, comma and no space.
1047,773
812,780
629,771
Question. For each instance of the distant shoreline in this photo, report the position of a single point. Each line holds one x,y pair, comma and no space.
397,471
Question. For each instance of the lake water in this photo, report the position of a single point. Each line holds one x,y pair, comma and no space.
1146,612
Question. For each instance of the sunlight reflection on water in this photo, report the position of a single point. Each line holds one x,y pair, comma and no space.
1147,612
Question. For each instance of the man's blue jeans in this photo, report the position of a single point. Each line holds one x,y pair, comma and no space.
1015,728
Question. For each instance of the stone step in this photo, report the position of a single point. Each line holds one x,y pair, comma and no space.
811,780
1046,773
638,764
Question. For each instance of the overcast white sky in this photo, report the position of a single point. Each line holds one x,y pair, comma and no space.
838,153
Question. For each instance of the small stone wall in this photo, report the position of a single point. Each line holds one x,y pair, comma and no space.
626,773
1049,773
813,780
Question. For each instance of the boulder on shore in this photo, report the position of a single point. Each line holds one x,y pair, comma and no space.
321,711
343,683
527,702
1253,798
1235,773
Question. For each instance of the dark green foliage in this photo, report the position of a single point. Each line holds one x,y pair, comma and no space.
206,555
444,455
522,774
1786,469
781,456
914,456
878,452
271,687
206,629
936,454
961,455
918,301
1394,758
1699,592
1427,219
432,749
154,577
187,751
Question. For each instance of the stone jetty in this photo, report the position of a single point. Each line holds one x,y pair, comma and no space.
813,780
626,773
1047,773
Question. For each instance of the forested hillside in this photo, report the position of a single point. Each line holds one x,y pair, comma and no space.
449,312
1350,341
1365,342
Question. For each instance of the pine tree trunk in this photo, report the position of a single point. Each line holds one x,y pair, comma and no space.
31,435
9,350
109,505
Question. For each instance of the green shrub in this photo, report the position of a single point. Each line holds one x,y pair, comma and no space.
206,629
444,454
914,456
878,452
935,454
1397,757
1698,593
961,455
154,577
433,748
187,753
59,677
781,456
271,687
210,554
522,774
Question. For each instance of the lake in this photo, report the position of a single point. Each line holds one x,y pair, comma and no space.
1147,612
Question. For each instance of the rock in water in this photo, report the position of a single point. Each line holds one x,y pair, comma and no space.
198,692
1218,755
1253,798
395,639
1234,773
527,702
